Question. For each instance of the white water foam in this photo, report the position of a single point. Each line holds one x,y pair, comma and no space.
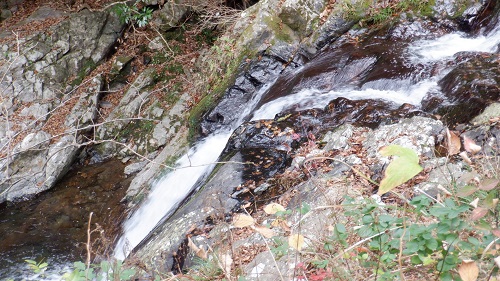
313,98
445,47
170,190
54,272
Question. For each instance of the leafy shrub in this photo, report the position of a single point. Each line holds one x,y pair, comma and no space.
134,15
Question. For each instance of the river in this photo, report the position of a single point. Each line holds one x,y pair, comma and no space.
312,86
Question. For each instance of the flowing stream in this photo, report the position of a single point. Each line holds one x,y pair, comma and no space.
193,167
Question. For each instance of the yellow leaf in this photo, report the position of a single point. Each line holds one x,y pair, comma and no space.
273,208
264,231
401,169
296,241
468,270
242,220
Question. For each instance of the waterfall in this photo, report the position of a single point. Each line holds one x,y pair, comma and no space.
198,162
177,184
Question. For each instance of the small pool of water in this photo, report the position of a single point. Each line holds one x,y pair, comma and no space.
53,226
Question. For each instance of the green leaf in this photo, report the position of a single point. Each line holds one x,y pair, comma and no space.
80,265
340,228
431,244
427,260
105,266
366,231
412,247
367,219
320,263
403,168
415,260
127,274
329,247
489,201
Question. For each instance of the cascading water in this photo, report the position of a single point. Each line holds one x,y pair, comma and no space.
177,184
193,166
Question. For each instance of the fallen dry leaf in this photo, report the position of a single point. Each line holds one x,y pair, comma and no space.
488,184
468,270
496,232
470,146
242,220
465,157
296,241
226,261
264,231
453,142
478,213
199,251
273,208
474,202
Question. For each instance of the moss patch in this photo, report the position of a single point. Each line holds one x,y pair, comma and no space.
87,66
282,31
216,91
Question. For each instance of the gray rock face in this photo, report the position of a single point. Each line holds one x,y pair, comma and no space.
34,165
39,82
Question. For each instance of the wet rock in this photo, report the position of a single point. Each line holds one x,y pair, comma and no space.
237,97
468,15
470,87
333,28
270,144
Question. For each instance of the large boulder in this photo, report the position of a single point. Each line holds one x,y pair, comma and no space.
468,88
44,112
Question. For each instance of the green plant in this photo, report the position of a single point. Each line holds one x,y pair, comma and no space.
133,14
455,231
37,267
104,271
207,269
